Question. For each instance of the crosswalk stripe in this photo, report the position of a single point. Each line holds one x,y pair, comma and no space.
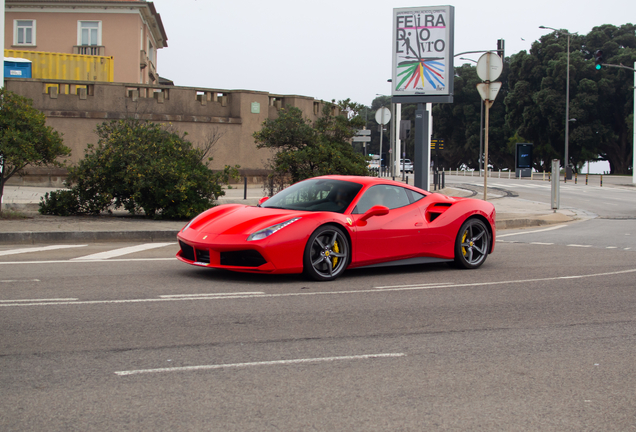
37,249
123,251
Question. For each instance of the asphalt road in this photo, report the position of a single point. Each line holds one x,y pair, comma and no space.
542,337
614,200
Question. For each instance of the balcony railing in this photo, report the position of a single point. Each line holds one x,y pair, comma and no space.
97,50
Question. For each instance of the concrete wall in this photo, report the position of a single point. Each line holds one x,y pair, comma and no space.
75,108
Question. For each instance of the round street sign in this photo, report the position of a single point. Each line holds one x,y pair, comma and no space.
489,66
383,115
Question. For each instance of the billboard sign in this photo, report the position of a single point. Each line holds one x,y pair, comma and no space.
423,54
524,155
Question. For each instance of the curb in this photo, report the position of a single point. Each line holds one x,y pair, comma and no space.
29,237
523,223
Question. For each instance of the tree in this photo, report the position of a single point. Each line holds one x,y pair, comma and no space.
458,124
140,166
25,139
304,150
600,102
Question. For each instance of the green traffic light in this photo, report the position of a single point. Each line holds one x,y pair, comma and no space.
599,67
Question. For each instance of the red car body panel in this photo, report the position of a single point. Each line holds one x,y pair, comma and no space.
425,228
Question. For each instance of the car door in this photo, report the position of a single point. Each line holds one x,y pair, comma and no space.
390,237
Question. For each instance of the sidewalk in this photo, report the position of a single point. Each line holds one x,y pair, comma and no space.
511,213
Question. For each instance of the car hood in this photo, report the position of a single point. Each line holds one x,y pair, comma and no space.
235,219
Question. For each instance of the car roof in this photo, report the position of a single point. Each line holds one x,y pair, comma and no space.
370,181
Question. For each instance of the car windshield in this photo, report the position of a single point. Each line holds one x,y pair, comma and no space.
316,195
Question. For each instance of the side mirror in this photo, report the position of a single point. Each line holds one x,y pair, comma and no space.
377,210
262,200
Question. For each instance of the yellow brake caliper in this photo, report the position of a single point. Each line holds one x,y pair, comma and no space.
335,249
464,241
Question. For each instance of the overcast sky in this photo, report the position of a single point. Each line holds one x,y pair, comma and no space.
341,49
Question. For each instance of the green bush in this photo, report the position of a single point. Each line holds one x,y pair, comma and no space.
60,203
141,167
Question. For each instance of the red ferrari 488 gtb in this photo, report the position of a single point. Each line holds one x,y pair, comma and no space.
324,225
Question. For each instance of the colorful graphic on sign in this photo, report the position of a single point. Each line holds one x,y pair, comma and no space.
422,58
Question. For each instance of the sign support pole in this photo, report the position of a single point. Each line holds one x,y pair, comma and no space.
422,150
488,105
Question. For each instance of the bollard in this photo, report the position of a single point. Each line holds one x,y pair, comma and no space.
575,178
245,187
602,180
586,176
407,179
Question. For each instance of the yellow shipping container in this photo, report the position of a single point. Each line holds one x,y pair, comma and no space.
61,66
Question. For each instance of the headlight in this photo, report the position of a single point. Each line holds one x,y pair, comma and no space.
188,225
266,232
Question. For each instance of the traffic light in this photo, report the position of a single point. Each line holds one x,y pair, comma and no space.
501,44
405,129
598,59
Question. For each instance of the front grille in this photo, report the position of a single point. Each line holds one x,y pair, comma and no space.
244,258
203,255
187,251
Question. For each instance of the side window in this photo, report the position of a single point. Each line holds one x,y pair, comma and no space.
389,196
24,32
415,196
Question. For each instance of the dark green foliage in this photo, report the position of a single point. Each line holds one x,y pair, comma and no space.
60,203
140,166
600,101
25,139
303,150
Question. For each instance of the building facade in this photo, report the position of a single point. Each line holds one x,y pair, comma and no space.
130,31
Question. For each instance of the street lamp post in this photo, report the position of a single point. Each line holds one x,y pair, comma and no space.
566,163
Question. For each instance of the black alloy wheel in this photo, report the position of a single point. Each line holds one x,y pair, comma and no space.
472,244
327,253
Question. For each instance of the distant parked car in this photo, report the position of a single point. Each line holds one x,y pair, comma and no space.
406,165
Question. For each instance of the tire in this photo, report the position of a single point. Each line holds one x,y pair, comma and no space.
472,244
327,253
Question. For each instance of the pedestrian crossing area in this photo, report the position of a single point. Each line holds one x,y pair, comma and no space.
98,252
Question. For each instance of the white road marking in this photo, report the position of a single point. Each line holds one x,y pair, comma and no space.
123,251
38,300
209,294
327,293
530,232
263,363
19,280
428,284
577,245
89,261
611,247
540,243
38,249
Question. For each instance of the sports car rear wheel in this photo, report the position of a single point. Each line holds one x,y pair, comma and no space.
471,244
327,253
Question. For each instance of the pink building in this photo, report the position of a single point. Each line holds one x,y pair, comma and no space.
129,30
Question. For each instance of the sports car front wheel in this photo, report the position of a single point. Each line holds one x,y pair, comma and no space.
471,244
327,253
